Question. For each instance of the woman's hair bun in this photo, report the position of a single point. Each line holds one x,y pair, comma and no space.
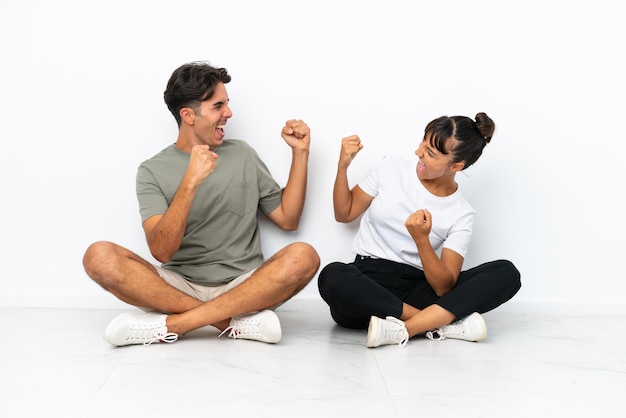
485,125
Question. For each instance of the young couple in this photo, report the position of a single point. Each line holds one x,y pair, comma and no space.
198,201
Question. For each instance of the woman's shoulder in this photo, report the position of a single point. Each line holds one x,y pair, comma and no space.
395,160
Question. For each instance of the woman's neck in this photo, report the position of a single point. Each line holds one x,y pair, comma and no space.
441,186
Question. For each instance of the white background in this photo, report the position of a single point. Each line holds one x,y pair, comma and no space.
81,105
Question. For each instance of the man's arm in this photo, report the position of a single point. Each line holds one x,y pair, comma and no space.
164,233
287,216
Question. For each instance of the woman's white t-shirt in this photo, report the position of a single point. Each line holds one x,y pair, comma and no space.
398,193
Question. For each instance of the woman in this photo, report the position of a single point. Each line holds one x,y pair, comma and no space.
416,227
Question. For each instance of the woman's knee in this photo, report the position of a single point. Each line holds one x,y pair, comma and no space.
328,276
510,274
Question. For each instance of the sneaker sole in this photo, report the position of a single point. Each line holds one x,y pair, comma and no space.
278,333
479,318
372,331
108,337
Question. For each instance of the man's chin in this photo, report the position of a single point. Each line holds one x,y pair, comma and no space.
216,143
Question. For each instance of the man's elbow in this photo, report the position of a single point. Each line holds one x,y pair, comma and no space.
161,257
290,226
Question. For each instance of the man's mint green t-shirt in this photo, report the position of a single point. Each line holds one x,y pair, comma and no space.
222,238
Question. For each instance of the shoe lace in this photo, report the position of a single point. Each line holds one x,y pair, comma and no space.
233,332
399,333
435,335
404,339
438,334
169,337
152,335
241,327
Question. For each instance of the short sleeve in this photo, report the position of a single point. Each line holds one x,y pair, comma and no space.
149,195
370,183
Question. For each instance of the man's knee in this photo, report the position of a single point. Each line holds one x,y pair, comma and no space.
95,254
305,257
99,259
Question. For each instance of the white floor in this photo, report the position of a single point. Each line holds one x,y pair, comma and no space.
54,362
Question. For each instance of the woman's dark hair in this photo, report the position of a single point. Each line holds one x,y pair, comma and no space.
470,136
190,84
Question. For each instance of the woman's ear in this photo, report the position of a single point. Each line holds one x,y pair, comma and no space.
456,167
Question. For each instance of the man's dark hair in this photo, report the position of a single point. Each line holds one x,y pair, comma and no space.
191,84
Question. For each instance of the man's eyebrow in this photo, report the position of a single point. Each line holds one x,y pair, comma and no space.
220,103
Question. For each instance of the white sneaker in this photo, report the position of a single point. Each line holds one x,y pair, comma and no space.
261,326
470,328
145,328
386,331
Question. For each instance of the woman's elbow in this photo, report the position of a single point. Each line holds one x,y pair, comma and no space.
442,290
342,217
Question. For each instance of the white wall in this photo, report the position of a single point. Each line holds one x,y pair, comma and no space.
81,106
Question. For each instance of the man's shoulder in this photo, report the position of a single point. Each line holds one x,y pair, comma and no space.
238,149
165,154
235,143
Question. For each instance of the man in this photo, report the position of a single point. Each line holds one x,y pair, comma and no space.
198,201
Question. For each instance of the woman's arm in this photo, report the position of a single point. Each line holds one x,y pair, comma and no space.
441,273
348,203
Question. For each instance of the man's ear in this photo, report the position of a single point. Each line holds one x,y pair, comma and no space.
187,115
